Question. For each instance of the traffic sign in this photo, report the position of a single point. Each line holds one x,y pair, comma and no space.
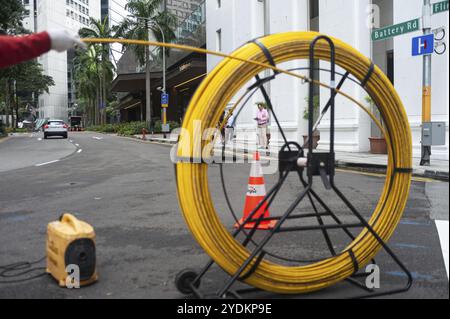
423,45
395,30
164,100
440,7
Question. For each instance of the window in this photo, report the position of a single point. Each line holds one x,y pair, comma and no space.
390,65
219,40
314,9
26,2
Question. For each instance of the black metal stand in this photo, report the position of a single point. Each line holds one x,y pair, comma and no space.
316,164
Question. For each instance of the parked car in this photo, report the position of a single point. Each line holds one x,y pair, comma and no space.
55,128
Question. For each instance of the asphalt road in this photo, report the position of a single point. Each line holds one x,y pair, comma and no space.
126,190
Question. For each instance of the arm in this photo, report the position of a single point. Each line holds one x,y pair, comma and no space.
14,50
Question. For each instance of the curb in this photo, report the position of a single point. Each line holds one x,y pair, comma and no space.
362,167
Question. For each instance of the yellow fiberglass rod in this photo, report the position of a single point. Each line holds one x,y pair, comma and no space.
208,104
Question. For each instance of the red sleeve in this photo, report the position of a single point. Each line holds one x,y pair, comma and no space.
15,50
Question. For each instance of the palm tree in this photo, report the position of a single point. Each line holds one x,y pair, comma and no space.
93,74
147,20
97,60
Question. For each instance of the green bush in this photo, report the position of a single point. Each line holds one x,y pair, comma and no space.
130,128
16,130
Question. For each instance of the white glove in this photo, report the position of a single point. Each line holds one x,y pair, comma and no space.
62,40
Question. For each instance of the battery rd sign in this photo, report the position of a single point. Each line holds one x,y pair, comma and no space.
395,30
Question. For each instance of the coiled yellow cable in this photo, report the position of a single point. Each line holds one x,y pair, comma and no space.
209,103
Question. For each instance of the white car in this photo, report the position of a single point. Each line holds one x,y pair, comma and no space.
55,128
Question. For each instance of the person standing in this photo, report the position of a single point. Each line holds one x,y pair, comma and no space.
262,119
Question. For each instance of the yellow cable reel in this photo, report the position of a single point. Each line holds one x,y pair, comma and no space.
209,103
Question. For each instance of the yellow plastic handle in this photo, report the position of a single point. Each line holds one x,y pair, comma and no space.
71,220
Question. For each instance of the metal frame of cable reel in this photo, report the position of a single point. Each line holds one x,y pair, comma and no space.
292,158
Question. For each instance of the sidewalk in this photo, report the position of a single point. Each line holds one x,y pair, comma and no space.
439,169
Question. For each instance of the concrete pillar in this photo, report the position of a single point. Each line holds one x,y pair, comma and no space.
349,23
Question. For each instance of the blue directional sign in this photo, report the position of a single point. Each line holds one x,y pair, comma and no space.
423,45
164,100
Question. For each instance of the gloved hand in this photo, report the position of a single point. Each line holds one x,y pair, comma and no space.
62,40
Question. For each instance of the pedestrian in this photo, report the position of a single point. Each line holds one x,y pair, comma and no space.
262,119
229,130
17,49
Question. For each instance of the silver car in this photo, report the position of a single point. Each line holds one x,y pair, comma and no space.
55,128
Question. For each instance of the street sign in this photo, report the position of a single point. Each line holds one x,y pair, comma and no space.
440,7
395,30
165,128
164,100
423,45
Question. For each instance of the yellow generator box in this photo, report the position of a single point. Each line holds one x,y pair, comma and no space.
71,252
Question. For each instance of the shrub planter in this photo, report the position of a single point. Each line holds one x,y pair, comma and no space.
378,145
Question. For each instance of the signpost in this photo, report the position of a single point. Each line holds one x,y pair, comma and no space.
164,104
164,100
423,45
440,7
395,30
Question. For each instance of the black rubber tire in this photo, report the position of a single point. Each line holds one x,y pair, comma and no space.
184,279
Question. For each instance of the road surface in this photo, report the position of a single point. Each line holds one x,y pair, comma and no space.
126,189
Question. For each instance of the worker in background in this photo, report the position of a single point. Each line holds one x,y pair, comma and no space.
17,49
262,119
229,130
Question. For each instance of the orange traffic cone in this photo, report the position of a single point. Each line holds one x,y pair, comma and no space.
255,194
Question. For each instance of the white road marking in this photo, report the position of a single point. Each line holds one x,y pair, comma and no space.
39,139
71,141
46,163
77,144
80,150
97,138
442,227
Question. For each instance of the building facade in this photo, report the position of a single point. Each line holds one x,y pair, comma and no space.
231,23
184,70
70,15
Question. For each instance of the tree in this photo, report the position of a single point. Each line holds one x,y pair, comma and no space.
93,75
11,15
24,80
100,29
146,17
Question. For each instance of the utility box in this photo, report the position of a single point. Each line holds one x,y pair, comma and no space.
433,134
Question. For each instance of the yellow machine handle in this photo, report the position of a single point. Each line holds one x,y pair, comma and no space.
72,221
